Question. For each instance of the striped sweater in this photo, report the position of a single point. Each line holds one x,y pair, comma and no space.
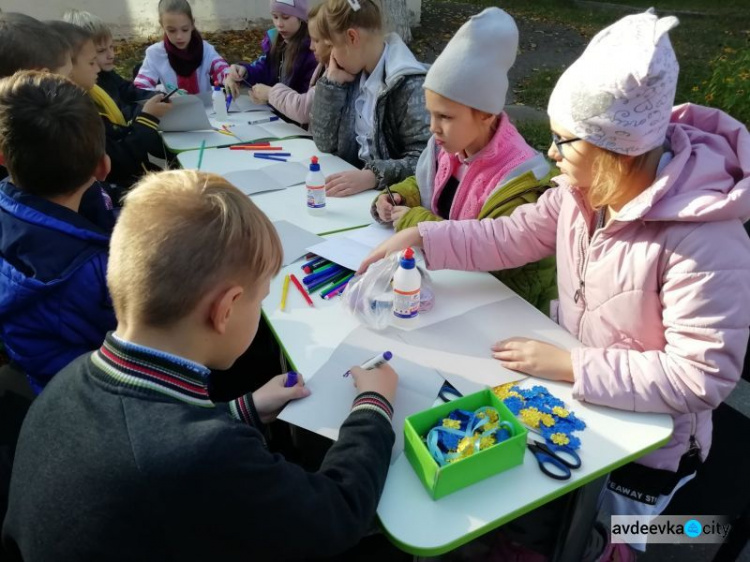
124,457
156,69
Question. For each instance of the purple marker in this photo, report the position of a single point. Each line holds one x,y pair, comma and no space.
291,379
378,361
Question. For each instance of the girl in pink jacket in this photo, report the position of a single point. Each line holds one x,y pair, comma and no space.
653,261
291,103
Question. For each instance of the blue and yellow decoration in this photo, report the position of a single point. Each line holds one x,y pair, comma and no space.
464,433
543,412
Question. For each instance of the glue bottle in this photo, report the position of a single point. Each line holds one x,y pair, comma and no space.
220,103
316,188
406,288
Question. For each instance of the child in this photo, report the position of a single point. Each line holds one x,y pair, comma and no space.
653,260
54,224
298,106
286,57
183,59
122,91
476,164
28,44
369,108
128,144
145,465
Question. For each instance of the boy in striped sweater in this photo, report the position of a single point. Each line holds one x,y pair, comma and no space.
125,457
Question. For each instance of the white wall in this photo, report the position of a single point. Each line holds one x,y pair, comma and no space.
138,17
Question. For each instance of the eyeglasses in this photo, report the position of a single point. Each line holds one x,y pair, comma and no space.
559,142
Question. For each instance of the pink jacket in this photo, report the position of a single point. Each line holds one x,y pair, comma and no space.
291,103
660,297
488,169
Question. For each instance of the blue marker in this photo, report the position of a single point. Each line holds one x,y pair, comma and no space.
291,379
229,101
265,120
378,361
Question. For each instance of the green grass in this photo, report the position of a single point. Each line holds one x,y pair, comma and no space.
536,133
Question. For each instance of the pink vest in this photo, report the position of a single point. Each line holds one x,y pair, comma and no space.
506,150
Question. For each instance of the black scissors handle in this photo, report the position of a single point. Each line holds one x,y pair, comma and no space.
448,392
546,459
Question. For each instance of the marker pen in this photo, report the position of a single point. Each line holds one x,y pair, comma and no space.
378,361
266,120
291,379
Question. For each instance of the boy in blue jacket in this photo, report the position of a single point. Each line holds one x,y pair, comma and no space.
55,224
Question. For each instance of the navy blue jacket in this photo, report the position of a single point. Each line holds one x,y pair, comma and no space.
54,302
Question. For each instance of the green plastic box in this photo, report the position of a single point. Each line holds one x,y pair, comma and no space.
441,481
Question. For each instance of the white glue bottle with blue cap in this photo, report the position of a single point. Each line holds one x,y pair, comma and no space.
220,103
316,188
407,283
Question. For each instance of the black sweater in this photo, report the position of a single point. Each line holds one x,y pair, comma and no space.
109,470
123,92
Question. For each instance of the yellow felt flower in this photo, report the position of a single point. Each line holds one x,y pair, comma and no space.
559,439
453,424
487,441
560,412
503,391
530,416
547,419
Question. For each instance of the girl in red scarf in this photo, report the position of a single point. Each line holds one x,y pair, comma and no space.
182,59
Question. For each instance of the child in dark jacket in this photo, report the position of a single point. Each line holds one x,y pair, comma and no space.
286,57
146,466
129,145
123,92
55,224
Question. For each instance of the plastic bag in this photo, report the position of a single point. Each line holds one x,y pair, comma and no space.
370,296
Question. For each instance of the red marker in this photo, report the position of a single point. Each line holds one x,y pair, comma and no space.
301,289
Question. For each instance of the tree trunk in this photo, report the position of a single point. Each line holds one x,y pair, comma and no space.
397,18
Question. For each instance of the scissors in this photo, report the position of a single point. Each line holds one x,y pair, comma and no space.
556,464
448,393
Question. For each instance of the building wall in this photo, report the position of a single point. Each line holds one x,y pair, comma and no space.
138,18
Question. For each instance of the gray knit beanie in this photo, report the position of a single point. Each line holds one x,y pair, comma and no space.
473,68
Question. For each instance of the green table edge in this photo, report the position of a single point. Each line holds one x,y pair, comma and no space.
442,549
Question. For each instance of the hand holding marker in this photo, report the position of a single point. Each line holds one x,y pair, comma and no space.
378,361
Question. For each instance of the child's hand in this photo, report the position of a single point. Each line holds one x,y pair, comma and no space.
260,93
397,213
382,380
535,358
232,80
154,106
348,183
337,74
396,243
272,397
383,206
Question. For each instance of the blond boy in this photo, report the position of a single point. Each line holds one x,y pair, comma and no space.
124,457
122,91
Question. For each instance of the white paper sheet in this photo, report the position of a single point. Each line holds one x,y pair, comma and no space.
187,114
350,249
294,240
473,333
332,394
270,178
244,103
274,131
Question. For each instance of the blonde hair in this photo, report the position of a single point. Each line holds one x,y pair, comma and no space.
313,19
179,234
337,16
93,24
611,171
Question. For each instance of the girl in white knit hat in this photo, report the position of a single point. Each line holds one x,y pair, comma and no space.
476,164
653,261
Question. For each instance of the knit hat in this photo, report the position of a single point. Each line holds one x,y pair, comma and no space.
473,68
296,8
619,94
